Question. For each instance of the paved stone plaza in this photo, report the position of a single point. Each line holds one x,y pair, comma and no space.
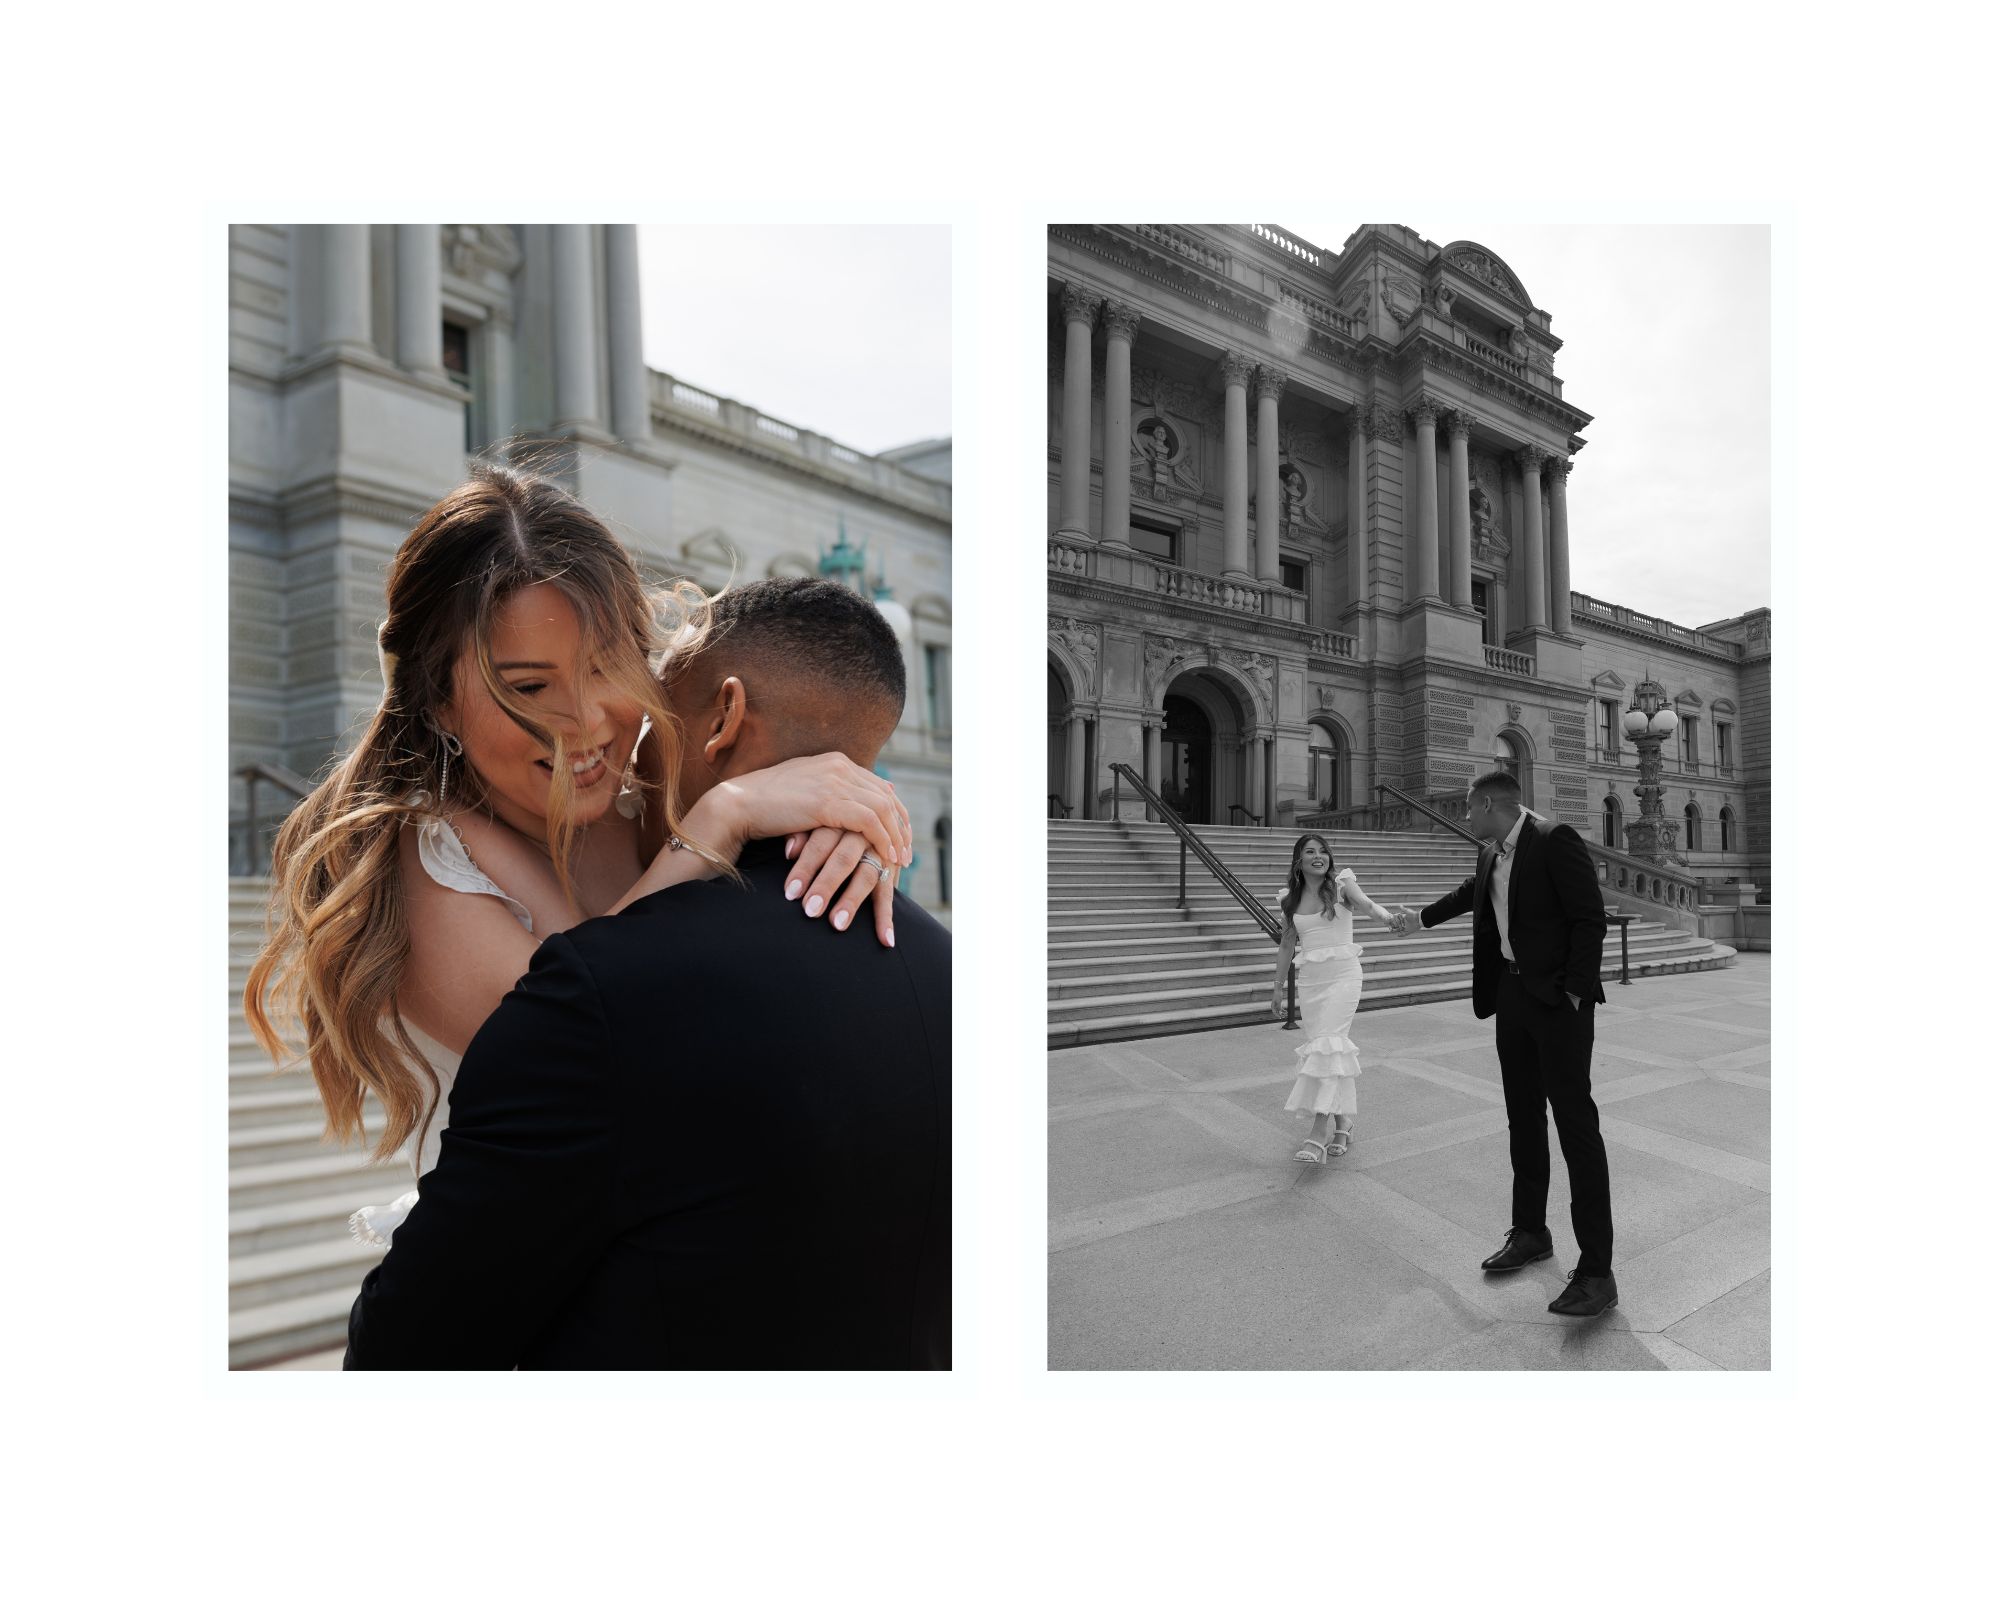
1182,1235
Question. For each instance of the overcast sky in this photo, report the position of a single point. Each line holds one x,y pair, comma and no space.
845,330
1666,334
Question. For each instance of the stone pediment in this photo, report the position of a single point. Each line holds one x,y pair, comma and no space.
1483,266
1608,680
792,565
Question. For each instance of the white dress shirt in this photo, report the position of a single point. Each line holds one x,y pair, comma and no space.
1503,872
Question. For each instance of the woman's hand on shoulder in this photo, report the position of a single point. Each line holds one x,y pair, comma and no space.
829,874
836,812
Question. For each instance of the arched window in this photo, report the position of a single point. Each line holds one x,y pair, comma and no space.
1728,829
1692,817
1323,768
1613,833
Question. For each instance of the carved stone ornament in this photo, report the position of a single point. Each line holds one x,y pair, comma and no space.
1532,457
1080,640
1513,712
1426,411
1302,443
1163,664
1325,696
1270,384
1079,304
1477,264
1121,321
471,248
1442,297
1400,297
1461,426
1517,344
1235,368
1384,421
1259,670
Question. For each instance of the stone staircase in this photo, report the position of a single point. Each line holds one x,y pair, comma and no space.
293,1268
1125,962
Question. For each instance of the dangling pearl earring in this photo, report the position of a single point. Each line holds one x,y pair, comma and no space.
449,746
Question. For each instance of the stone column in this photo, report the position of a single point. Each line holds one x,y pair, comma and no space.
346,318
1073,766
631,411
1253,761
1079,312
1121,326
1559,544
574,281
1235,468
1424,469
1357,510
1532,563
419,298
1270,493
1461,512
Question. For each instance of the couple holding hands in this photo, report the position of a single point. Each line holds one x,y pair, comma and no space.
1537,946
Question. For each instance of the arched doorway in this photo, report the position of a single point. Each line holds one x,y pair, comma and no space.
1691,820
1510,755
1614,823
1187,747
1064,792
1326,767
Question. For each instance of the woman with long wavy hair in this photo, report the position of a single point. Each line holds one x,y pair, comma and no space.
503,792
1329,992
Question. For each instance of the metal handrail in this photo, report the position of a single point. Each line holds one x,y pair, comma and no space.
1056,800
1437,817
1256,821
1273,929
279,778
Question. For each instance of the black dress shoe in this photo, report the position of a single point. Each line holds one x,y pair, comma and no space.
1523,1245
1586,1297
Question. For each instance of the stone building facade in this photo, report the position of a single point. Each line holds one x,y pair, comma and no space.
1309,534
368,364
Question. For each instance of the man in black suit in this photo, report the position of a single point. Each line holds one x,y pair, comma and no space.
709,1132
1537,946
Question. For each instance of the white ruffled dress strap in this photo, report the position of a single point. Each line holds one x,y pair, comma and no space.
446,859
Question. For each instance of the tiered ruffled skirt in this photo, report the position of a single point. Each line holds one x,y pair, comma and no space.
1329,992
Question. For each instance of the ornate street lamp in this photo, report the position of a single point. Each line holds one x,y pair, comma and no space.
1649,723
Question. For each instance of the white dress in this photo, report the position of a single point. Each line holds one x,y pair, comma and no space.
448,862
1329,968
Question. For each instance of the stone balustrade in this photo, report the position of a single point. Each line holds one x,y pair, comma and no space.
1338,646
675,400
1071,560
1288,242
1223,593
1616,616
1510,661
1185,245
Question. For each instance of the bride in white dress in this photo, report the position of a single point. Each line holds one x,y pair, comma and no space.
1329,963
503,792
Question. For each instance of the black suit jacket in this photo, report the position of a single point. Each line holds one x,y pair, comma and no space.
1555,918
709,1132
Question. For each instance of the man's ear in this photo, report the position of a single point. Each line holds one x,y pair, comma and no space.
722,728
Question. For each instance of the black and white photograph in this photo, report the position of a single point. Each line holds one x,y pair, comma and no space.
1409,797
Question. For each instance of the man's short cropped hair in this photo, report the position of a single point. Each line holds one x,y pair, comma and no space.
814,628
1500,784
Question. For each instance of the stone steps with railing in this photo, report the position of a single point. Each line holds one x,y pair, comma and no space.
1125,961
294,1268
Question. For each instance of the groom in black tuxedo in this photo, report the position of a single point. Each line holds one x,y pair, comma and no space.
1537,946
708,1132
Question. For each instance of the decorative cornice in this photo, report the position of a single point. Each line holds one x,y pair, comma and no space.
1235,368
1079,304
1270,384
1121,320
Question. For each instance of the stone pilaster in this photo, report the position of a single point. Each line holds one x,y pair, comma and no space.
1357,515
1270,493
1534,555
1424,536
573,282
1559,590
1121,327
1235,370
346,310
419,298
631,412
1079,313
1461,511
